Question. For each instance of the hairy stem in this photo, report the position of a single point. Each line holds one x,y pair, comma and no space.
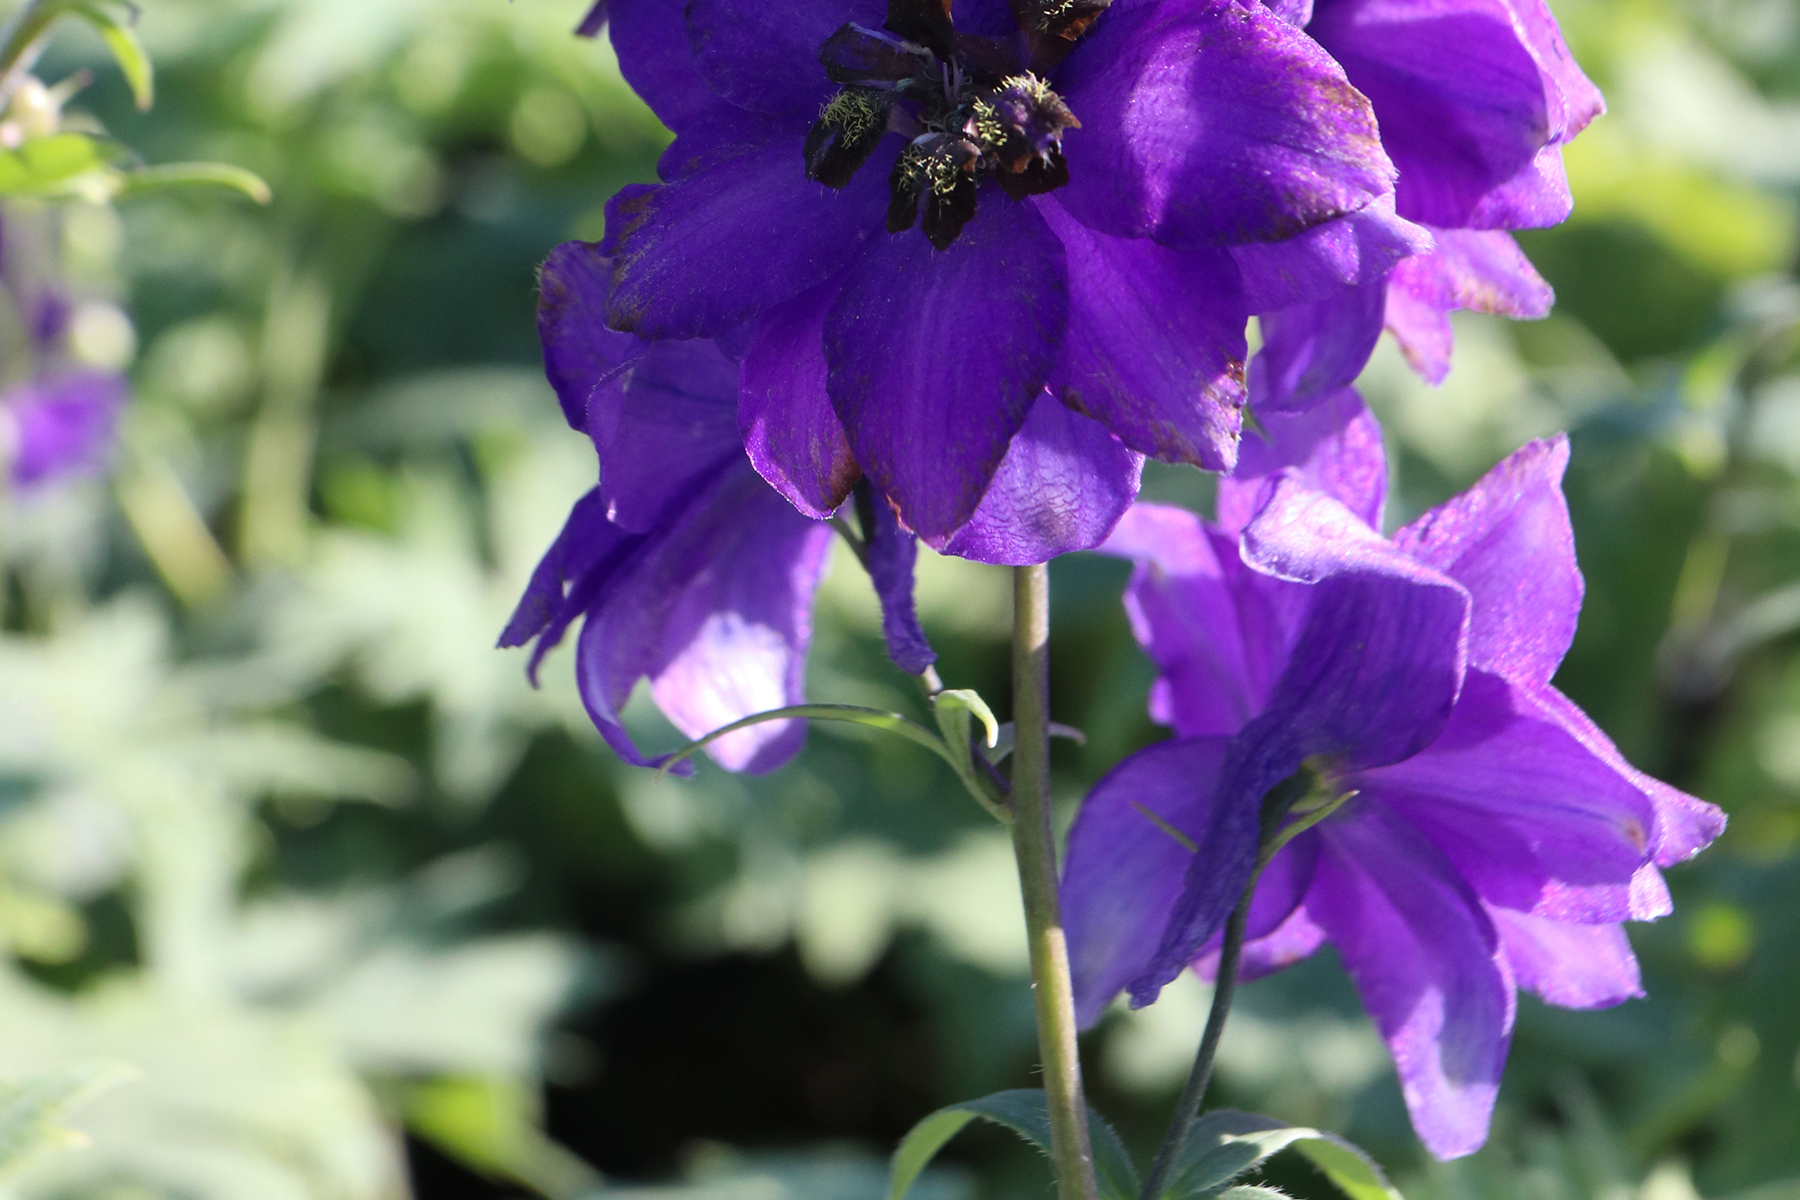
1188,1107
1035,847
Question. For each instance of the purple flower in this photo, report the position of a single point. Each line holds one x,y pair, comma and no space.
687,569
1475,100
1488,836
953,223
58,426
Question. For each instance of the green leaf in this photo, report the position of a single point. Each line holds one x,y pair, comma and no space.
44,165
956,710
1026,1112
1002,747
114,21
853,714
195,174
30,1114
1224,1145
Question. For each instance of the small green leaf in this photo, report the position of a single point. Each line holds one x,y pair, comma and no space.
1025,1112
1224,1145
114,21
195,174
47,164
971,700
873,718
956,710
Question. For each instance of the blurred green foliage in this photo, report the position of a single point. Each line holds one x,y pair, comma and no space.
368,915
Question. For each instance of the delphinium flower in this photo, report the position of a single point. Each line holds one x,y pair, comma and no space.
947,229
686,568
1476,832
57,416
1475,100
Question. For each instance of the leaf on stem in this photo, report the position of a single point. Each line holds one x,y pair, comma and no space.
1026,1112
1225,1145
114,22
46,165
195,174
853,714
956,710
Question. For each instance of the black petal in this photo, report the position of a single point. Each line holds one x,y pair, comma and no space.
926,22
945,215
857,55
1036,179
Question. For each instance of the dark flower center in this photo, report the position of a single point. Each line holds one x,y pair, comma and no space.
971,108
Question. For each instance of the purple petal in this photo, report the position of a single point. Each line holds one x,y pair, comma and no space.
1483,271
650,37
1155,349
1509,541
1355,249
1568,965
717,613
696,257
1278,932
937,356
790,430
1213,124
59,426
1530,817
1218,632
1535,198
1296,939
594,22
1336,448
587,559
765,57
580,353
1124,871
669,428
893,552
1461,101
1685,825
1424,956
1314,351
1576,101
1063,485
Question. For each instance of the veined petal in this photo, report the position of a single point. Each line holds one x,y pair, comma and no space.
670,427
651,39
790,430
893,553
1509,541
718,615
580,353
1155,349
1325,260
1568,965
1577,100
1425,958
1314,351
1063,485
1124,870
1213,124
696,257
1529,816
936,357
1461,100
1335,446
765,57
1278,932
1471,269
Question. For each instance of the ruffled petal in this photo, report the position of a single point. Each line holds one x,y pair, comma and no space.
790,430
651,39
1568,965
936,357
1424,957
1213,124
765,57
1472,269
717,613
1314,351
1576,101
1320,263
1124,870
695,257
1336,448
1063,485
1509,541
1155,350
893,553
1461,101
669,427
1530,817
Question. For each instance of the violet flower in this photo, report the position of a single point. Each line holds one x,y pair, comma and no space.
58,426
1475,100
685,567
946,223
1490,837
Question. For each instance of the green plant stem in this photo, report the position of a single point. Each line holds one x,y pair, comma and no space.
1224,988
1035,847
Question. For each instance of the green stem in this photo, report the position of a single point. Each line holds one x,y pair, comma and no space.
1188,1107
1034,846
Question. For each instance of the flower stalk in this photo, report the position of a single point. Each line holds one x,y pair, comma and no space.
1035,848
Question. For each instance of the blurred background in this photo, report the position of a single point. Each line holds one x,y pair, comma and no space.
364,916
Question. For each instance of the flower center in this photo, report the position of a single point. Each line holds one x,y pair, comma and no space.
971,108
